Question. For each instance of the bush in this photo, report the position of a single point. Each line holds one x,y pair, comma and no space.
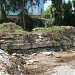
7,49
42,22
38,23
1,27
48,22
50,29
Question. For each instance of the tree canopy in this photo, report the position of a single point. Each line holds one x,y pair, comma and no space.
59,10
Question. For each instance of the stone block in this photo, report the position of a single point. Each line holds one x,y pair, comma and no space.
25,46
15,46
2,41
18,41
7,36
67,43
57,44
18,38
49,43
42,44
36,36
73,43
4,46
73,38
34,45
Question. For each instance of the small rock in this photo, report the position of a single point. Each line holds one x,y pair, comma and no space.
47,53
14,54
34,54
3,73
17,57
31,62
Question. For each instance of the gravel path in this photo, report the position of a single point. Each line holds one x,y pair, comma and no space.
63,70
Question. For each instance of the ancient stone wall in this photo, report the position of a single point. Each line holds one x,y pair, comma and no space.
59,39
21,41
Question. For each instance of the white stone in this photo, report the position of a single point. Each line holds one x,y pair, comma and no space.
4,57
3,73
31,62
47,53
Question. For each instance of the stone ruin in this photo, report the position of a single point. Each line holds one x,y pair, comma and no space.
10,27
11,65
59,40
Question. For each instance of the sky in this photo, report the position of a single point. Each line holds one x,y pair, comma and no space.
49,3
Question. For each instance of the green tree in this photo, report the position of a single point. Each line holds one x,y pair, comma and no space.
67,13
49,12
57,4
73,1
3,4
20,5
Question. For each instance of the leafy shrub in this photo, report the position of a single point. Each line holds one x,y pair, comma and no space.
1,27
48,22
7,49
38,23
42,22
49,29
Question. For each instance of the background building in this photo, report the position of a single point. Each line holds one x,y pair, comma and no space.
35,8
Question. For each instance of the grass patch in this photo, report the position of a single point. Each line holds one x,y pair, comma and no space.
18,30
50,29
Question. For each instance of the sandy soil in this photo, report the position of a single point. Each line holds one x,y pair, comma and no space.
46,64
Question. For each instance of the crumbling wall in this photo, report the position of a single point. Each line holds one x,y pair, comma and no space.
22,41
59,39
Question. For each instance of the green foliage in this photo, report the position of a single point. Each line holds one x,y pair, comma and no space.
48,12
50,29
59,12
18,30
7,49
48,22
38,22
73,1
68,15
1,27
3,8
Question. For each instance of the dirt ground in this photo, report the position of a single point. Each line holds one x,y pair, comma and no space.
49,62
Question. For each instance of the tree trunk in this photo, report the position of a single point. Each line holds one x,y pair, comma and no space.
3,13
22,14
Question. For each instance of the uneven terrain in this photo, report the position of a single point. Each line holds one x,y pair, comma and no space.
44,51
58,63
